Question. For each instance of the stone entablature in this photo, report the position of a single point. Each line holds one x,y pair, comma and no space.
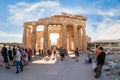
71,29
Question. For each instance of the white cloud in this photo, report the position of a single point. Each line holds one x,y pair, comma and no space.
107,29
22,11
110,33
7,37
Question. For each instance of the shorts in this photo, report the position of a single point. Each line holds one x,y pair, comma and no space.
26,58
5,58
62,55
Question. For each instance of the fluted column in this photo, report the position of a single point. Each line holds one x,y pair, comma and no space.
84,45
28,37
25,37
58,43
40,43
64,36
67,43
75,36
33,39
80,39
49,41
45,40
60,40
70,43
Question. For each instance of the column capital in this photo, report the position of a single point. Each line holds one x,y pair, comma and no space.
83,28
84,25
75,24
64,24
34,24
46,24
25,25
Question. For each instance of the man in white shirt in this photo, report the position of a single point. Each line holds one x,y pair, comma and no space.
18,60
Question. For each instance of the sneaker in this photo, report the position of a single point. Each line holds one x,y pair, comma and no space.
17,72
96,76
8,67
21,70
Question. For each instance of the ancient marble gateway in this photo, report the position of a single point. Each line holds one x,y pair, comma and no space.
71,30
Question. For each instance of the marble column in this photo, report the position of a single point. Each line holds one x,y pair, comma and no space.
75,37
38,42
49,41
80,39
70,44
45,40
29,37
33,39
64,36
60,40
58,43
25,37
67,43
84,45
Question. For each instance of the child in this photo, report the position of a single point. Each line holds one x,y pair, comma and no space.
88,59
26,60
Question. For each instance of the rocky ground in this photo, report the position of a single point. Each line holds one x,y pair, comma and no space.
112,66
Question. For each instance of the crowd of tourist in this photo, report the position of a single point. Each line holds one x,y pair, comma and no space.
20,57
15,56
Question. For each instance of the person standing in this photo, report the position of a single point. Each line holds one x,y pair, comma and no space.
10,56
40,52
76,55
54,54
49,52
100,62
5,56
14,53
29,51
26,60
97,51
14,50
18,61
62,53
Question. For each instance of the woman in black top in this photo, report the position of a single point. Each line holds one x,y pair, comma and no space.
5,56
76,55
10,56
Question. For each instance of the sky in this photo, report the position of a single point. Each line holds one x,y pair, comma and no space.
103,16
